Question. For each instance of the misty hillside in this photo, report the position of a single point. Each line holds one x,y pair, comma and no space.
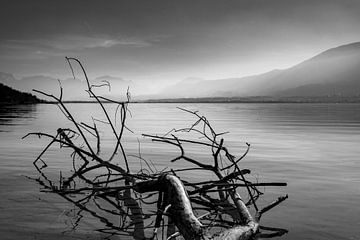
73,89
11,96
333,72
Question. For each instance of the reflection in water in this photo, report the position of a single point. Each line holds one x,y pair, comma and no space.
313,147
15,114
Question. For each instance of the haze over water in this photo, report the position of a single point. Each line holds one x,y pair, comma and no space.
312,147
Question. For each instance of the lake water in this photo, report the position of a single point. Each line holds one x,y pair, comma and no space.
315,148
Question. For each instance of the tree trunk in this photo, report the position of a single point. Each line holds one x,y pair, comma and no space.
181,213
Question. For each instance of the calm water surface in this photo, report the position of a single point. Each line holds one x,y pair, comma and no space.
312,147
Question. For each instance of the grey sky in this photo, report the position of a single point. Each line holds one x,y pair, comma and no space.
153,41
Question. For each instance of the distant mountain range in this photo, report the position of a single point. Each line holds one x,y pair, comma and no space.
335,72
73,89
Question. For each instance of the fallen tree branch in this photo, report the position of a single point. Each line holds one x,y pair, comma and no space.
105,187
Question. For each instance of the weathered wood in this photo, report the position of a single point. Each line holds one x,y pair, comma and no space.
183,217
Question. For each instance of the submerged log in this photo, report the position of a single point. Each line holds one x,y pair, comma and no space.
181,213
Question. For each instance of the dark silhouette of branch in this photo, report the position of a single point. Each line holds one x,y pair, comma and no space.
128,202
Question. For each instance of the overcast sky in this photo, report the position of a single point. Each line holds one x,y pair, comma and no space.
158,42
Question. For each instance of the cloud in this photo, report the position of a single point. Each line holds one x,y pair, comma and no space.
85,42
60,45
71,43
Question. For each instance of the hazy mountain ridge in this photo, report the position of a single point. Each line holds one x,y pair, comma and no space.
7,78
332,72
73,89
335,71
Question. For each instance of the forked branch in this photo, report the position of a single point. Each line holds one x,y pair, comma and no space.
130,202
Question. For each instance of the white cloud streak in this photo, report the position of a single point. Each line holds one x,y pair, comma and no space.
72,43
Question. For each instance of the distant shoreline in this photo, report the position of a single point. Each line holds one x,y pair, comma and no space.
10,96
265,99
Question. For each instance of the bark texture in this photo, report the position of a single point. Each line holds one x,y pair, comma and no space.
181,212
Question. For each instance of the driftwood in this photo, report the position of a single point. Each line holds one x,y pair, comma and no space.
132,202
